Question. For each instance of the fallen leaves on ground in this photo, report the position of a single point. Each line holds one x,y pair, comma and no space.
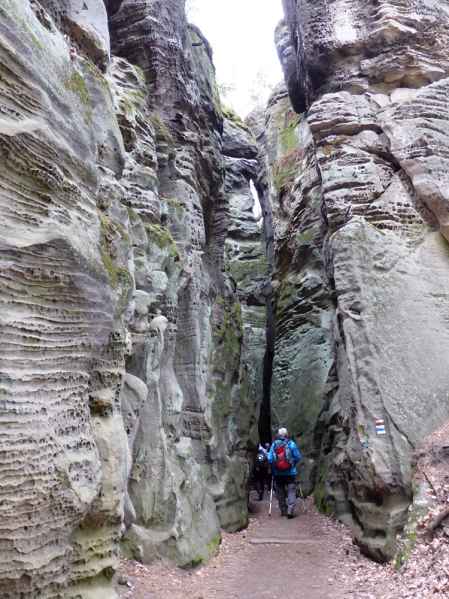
424,576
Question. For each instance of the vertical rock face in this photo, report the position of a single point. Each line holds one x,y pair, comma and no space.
246,260
62,437
303,349
129,342
247,270
172,510
362,260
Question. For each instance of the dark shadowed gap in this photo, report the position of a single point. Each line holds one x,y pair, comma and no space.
265,408
260,192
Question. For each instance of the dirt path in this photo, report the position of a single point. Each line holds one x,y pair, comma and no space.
309,557
274,558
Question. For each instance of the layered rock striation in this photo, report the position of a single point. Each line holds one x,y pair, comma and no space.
131,341
362,260
140,342
247,259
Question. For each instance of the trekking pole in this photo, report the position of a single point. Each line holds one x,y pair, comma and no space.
271,496
301,494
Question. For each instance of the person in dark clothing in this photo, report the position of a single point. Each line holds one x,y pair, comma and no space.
283,456
260,472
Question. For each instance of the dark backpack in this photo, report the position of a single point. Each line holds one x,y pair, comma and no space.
283,455
261,461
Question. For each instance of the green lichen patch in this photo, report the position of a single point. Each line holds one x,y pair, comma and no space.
288,134
162,237
408,544
286,167
231,115
136,96
225,362
201,559
195,562
109,265
133,215
10,9
95,72
305,237
174,205
320,493
162,131
119,277
111,229
417,514
285,170
244,272
222,401
139,72
76,84
128,107
36,41
287,295
213,545
228,333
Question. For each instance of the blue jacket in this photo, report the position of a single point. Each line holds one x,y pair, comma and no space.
296,455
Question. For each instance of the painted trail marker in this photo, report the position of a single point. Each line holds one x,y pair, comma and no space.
380,427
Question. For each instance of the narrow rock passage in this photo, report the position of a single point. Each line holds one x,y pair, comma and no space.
274,558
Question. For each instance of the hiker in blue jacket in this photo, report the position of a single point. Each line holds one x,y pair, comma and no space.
283,457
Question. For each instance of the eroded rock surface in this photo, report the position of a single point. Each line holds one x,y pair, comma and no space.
128,376
359,196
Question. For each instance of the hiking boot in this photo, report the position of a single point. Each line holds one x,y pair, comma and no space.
290,516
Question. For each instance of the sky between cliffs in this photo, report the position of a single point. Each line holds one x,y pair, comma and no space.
241,33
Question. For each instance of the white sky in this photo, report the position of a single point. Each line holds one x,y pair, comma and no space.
241,33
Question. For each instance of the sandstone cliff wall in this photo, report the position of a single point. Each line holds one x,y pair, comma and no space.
129,397
359,194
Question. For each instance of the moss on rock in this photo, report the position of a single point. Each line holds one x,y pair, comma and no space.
285,170
232,116
162,131
76,84
162,237
320,493
174,205
119,276
200,559
288,134
228,334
